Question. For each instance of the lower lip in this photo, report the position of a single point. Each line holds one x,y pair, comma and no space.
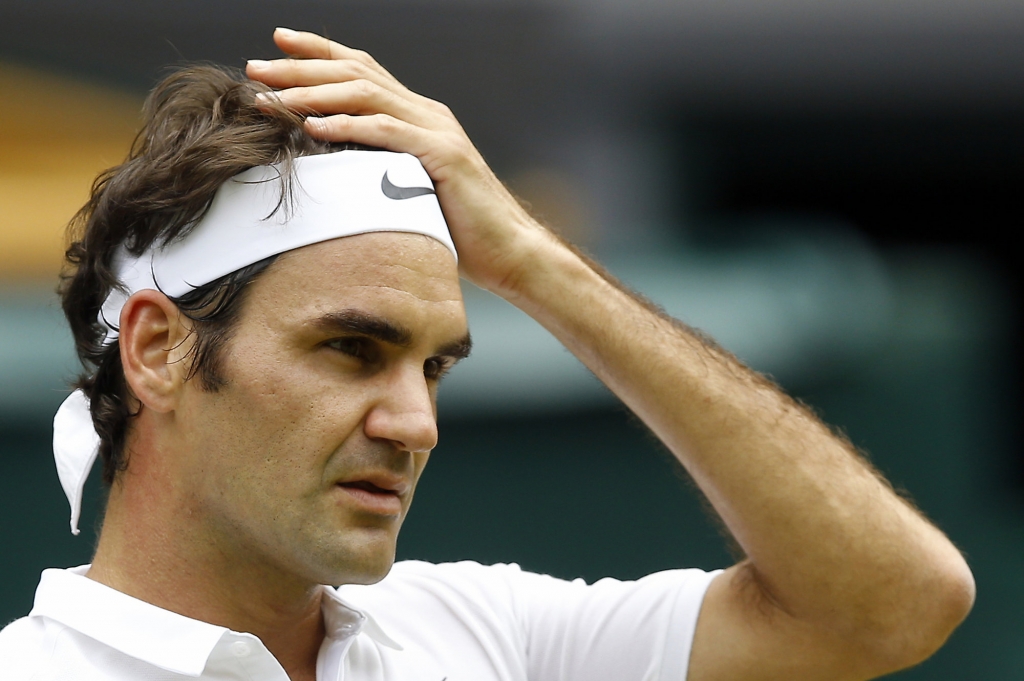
378,503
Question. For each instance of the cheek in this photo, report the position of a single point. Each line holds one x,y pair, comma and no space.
285,412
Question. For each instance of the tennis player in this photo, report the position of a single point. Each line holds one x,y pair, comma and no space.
266,295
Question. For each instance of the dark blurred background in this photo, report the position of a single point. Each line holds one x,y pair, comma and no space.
826,187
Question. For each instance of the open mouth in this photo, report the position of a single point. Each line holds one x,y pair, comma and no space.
368,497
367,486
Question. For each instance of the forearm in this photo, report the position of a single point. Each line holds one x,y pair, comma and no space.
828,540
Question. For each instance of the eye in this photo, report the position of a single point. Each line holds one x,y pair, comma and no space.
435,368
355,346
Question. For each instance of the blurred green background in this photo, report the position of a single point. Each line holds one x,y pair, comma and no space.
829,189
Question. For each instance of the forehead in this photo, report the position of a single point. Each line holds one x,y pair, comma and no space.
384,273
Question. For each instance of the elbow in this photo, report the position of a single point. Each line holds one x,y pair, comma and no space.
922,620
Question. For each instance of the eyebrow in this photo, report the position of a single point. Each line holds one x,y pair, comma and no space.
460,349
386,331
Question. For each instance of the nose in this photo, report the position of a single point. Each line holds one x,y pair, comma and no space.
404,412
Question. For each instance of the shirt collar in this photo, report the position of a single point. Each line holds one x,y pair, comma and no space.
160,637
342,619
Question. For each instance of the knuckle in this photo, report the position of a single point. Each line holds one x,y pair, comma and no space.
343,71
442,108
355,68
450,140
458,145
364,57
364,89
387,124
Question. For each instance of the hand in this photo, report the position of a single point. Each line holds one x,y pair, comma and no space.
359,101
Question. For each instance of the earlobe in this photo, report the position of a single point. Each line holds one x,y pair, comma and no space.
154,340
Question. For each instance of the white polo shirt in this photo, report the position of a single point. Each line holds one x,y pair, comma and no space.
450,622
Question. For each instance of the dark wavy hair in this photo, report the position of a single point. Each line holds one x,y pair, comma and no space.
201,126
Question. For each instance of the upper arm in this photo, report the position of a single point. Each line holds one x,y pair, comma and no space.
742,634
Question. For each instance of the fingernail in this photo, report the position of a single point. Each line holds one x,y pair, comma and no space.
286,31
315,122
266,98
258,64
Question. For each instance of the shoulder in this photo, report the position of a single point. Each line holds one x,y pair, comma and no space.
469,578
507,618
462,615
23,649
509,578
506,590
461,599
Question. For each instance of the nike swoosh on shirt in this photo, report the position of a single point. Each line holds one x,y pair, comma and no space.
398,193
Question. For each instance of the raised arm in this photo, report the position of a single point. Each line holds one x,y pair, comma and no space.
843,579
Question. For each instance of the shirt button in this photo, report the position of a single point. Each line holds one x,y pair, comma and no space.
239,648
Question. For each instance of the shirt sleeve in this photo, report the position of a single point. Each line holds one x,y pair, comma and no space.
498,622
616,630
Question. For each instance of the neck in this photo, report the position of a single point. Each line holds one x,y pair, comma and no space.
154,548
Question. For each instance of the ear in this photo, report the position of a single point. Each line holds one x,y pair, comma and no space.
155,339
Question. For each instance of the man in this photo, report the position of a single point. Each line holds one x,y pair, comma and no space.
264,406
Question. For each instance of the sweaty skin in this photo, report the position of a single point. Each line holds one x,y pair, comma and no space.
843,579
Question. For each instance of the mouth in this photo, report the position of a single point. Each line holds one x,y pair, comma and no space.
367,486
378,495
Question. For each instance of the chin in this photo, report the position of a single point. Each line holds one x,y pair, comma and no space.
366,563
369,573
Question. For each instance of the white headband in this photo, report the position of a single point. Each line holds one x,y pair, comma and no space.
336,195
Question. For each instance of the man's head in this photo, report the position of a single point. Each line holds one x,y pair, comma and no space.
284,412
200,128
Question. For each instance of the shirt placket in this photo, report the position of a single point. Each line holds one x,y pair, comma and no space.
331,662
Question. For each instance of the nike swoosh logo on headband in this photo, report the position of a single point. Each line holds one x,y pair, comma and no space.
399,193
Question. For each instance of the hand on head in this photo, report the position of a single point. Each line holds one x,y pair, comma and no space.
352,98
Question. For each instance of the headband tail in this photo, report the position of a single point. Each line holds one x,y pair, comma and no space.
75,447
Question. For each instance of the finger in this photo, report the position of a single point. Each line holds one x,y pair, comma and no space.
311,73
377,130
283,73
359,97
312,46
